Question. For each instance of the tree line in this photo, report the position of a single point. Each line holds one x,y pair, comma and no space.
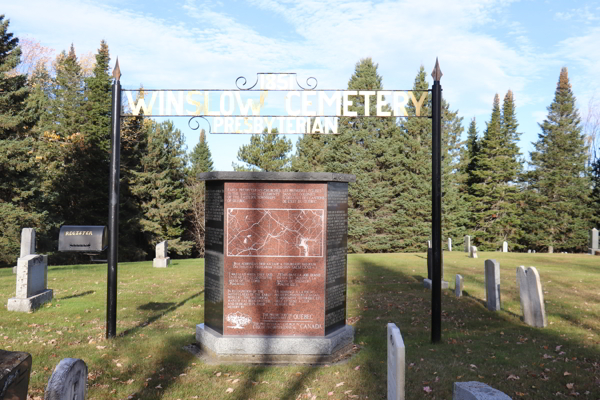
54,160
489,191
55,149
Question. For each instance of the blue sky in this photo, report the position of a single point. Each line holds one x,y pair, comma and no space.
484,47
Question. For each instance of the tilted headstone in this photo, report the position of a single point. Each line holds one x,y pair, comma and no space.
467,244
396,363
68,381
532,297
505,247
15,369
27,243
458,286
492,285
32,278
550,249
473,252
593,242
161,260
477,391
449,244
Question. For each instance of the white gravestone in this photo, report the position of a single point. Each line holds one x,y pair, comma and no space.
27,244
449,244
467,244
593,243
458,286
505,247
429,244
477,391
32,278
532,297
492,285
396,363
68,381
529,251
473,252
161,260
550,249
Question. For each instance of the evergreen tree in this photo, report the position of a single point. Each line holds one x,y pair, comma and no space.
497,169
266,152
201,158
19,182
98,102
134,146
160,188
558,200
471,154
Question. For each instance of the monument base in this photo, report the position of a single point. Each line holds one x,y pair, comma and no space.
30,303
428,284
161,262
275,349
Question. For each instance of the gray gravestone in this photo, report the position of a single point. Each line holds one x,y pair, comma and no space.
593,242
396,363
492,285
550,249
505,247
473,252
161,260
458,285
476,391
532,297
449,244
32,278
68,381
27,244
467,244
533,251
529,251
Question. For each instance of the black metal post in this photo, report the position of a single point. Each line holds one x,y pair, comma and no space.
436,206
113,206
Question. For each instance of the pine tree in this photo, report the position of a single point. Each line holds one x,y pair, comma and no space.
266,152
134,146
19,184
559,212
160,188
98,102
201,158
471,154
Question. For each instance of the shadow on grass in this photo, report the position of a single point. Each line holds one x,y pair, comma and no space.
155,306
77,295
165,310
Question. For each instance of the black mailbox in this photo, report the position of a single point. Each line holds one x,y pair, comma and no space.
83,239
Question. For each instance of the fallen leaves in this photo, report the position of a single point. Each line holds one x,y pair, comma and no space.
229,390
512,377
427,389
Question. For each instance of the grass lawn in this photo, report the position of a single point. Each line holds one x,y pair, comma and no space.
158,310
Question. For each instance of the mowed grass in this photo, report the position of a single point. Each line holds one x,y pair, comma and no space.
158,310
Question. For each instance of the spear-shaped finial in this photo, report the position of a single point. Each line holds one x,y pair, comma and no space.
437,72
117,70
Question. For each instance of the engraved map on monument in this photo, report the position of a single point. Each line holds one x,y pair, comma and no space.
275,232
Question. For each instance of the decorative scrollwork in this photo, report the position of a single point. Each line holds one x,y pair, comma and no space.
311,82
309,86
244,84
198,123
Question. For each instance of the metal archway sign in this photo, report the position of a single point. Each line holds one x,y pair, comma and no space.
306,110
